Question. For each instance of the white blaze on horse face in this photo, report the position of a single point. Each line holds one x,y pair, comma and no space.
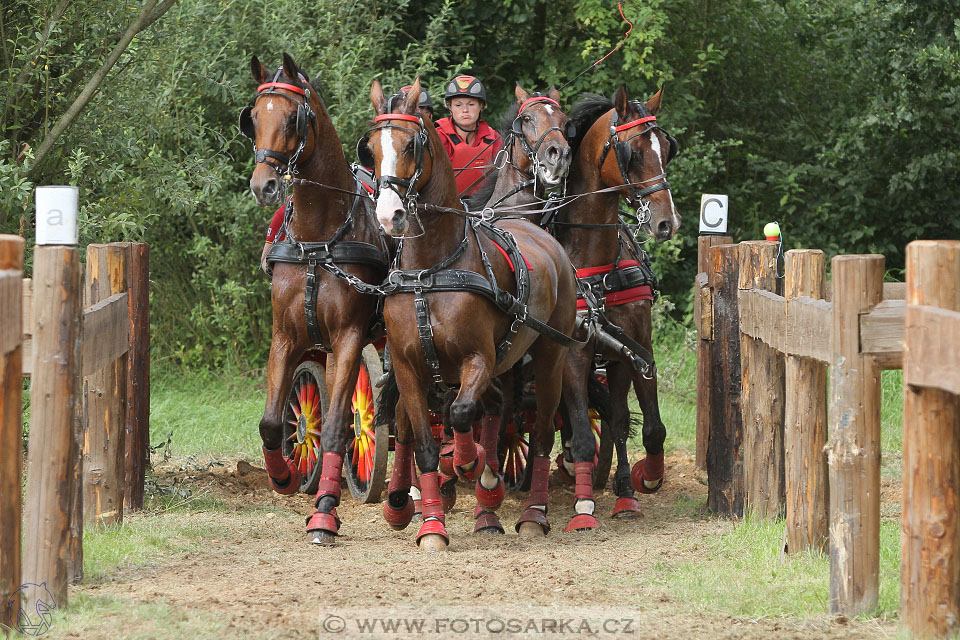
388,202
655,145
549,110
270,106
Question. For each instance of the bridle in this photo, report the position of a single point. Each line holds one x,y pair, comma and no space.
624,152
287,166
421,141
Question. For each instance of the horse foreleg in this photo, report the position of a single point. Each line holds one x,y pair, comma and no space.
342,370
647,475
468,458
584,445
490,489
283,474
618,381
398,508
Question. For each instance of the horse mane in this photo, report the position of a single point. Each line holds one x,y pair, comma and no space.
585,113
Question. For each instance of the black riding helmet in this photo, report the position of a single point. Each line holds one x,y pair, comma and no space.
424,103
465,87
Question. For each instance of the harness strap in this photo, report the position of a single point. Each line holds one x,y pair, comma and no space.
425,331
310,304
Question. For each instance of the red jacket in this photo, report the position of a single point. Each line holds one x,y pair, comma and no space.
275,224
475,159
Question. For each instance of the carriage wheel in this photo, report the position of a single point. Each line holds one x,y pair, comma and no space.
303,412
365,462
604,435
515,458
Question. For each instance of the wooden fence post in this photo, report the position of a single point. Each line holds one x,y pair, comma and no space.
56,312
930,541
805,419
137,456
762,392
703,317
853,452
103,451
11,422
724,451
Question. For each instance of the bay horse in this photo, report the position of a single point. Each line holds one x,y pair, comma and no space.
466,302
332,247
620,151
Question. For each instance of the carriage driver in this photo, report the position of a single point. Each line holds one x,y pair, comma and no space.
470,142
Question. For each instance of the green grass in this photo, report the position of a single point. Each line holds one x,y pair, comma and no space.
747,576
207,414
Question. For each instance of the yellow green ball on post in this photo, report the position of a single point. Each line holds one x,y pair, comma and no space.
772,231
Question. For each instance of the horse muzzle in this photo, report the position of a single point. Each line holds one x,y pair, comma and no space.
391,214
265,186
554,163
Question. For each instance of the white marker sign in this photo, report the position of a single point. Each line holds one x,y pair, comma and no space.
713,213
57,215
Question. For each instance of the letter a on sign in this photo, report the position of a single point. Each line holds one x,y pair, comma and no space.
57,215
713,213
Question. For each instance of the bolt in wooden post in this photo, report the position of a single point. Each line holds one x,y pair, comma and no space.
56,312
11,421
761,400
703,315
724,449
805,419
103,438
853,452
930,541
137,456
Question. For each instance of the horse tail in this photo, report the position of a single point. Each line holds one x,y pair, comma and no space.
386,410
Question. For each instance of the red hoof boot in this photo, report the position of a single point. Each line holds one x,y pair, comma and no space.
648,471
277,466
448,493
322,527
626,509
432,526
562,470
488,522
446,459
581,522
536,516
491,498
477,468
398,518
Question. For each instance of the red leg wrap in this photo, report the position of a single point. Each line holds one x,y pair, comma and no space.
466,452
562,470
402,474
432,526
584,486
534,515
626,508
446,459
398,519
329,484
491,498
320,521
539,482
448,491
283,473
649,469
580,522
487,522
490,439
430,496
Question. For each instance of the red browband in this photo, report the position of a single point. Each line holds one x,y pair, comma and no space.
630,125
281,85
396,116
538,99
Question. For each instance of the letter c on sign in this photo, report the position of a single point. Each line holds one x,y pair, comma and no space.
719,219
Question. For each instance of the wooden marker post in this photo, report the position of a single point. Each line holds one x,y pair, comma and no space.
52,450
724,450
930,541
805,419
11,422
106,390
853,452
137,457
703,316
762,392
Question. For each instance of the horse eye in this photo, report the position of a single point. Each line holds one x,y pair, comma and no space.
526,119
409,146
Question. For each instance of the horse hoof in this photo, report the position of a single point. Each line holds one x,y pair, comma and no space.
647,475
626,509
530,530
581,522
562,474
321,538
398,519
488,523
432,543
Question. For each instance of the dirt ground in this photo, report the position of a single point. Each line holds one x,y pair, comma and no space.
263,580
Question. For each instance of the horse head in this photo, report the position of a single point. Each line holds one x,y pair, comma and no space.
543,130
282,122
398,143
635,157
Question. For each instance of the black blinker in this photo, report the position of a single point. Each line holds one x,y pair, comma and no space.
246,122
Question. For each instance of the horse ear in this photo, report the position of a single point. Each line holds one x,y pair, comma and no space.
653,104
521,94
290,68
553,94
376,97
257,70
412,99
621,102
